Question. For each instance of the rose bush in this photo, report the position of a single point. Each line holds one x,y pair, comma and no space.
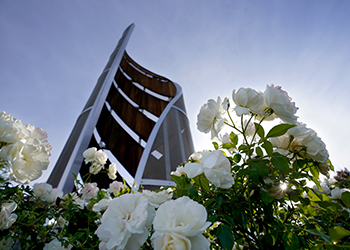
256,189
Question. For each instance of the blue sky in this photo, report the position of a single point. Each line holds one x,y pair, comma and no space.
52,53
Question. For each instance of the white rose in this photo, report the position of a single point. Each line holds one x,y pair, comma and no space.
38,136
61,222
95,168
11,132
336,192
5,117
76,200
42,191
300,131
247,100
324,188
6,216
249,128
6,244
101,157
280,103
179,224
115,187
102,204
157,198
180,171
56,193
112,171
26,162
196,156
123,225
281,144
89,154
56,245
211,117
316,148
89,191
173,241
225,138
216,168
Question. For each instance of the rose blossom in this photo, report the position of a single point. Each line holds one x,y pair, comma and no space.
25,149
281,143
211,117
12,131
6,244
56,245
42,191
6,216
26,162
179,224
337,192
196,156
216,168
247,100
157,198
316,148
115,187
89,191
180,171
101,157
102,204
112,171
280,103
124,224
89,154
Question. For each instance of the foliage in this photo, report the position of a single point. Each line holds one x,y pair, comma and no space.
258,188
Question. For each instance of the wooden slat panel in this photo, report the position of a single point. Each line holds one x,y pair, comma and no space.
131,116
124,148
156,83
143,99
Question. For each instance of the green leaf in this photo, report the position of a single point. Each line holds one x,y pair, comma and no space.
243,148
237,158
270,239
213,218
219,200
259,151
177,180
290,241
208,202
193,192
337,233
216,145
317,247
266,197
229,220
228,145
345,197
280,162
234,139
259,130
298,164
225,236
259,166
279,130
204,183
319,234
314,171
268,147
